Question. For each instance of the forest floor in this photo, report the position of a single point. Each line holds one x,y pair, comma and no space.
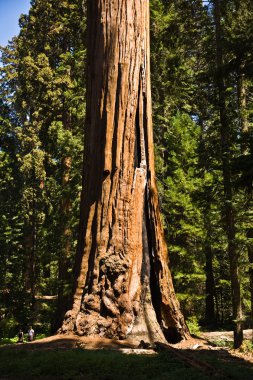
68,357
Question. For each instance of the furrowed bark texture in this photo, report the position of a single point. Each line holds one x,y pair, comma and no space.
123,284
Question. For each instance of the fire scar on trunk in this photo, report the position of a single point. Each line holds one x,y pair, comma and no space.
123,283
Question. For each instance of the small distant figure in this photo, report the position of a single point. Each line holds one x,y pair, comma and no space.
30,334
20,336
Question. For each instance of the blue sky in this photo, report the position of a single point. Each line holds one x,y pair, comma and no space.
10,10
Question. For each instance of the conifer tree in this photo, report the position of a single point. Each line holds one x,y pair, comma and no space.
45,74
123,283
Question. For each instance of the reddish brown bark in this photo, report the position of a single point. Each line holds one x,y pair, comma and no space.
123,285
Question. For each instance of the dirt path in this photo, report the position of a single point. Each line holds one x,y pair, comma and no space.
224,335
71,341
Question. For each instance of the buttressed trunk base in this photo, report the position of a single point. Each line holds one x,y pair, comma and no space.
124,285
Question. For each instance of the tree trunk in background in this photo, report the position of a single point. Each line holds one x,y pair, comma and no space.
242,101
124,286
64,277
30,241
29,245
250,256
210,286
244,126
227,182
210,317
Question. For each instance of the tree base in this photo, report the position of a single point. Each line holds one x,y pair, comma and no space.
144,328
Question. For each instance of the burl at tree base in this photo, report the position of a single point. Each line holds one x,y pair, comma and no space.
123,283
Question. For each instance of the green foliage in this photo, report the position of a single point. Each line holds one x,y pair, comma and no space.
8,327
42,93
188,148
223,342
193,325
247,347
178,137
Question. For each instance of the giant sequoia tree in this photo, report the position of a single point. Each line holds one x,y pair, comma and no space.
123,283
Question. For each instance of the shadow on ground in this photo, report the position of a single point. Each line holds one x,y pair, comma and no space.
67,359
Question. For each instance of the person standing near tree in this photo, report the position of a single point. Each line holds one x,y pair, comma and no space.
30,334
20,336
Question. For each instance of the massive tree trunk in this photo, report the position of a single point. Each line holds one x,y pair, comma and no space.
227,182
123,284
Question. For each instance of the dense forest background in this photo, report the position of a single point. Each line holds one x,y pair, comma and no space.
202,82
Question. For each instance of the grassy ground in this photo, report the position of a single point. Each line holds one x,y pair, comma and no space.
91,365
227,366
78,364
4,341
